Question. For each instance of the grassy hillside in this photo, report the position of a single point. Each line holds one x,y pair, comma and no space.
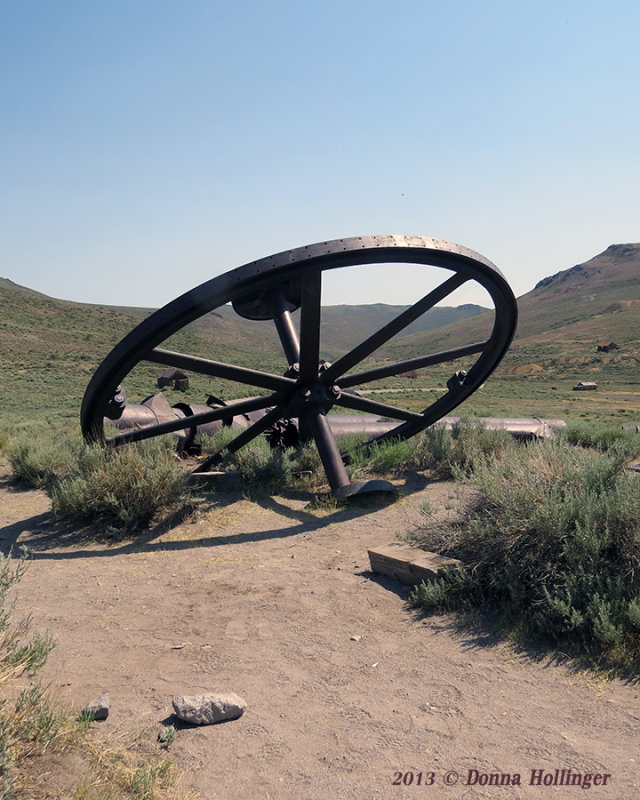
50,348
561,323
343,326
563,319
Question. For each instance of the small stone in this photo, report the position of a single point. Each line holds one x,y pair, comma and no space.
206,709
99,707
356,637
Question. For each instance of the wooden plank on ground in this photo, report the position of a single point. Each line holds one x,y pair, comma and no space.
407,564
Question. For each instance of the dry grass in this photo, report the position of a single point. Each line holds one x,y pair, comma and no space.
45,751
84,764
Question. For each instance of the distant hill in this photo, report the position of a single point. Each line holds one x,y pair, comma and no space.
29,318
565,316
596,296
598,301
343,326
346,326
10,286
50,348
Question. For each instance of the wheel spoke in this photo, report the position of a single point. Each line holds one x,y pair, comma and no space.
225,412
376,341
357,378
218,369
310,325
247,435
428,417
356,403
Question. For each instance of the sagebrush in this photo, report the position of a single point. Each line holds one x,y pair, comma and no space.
553,542
28,721
39,458
123,488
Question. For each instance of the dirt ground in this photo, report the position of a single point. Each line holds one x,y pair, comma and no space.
350,694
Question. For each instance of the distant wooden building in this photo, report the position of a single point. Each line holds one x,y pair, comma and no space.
605,348
585,386
173,378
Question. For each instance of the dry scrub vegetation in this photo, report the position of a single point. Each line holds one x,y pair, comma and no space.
552,543
46,751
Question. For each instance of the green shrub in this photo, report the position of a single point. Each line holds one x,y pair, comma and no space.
455,452
124,488
447,452
391,457
306,467
350,443
41,457
28,722
261,466
217,441
453,589
608,438
436,448
256,462
554,544
437,441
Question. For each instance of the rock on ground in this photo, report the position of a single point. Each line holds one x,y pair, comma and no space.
205,709
99,707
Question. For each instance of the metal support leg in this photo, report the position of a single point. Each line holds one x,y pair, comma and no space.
332,462
285,327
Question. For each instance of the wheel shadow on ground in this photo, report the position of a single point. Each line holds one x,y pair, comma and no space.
43,537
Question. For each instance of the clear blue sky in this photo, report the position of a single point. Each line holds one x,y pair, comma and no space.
149,145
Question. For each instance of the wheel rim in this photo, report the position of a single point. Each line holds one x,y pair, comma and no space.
271,288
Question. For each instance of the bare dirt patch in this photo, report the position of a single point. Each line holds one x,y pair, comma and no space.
346,687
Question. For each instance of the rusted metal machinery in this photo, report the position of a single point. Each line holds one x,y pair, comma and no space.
285,433
271,289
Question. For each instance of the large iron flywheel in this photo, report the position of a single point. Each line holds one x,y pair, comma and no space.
308,388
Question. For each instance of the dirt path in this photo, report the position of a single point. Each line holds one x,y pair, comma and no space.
263,599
